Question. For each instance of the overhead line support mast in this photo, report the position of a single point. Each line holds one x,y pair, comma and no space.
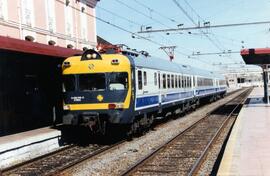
169,50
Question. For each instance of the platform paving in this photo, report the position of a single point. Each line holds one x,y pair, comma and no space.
26,145
248,148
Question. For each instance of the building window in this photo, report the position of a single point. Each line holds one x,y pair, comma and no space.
27,12
69,20
50,9
140,80
3,9
83,20
144,78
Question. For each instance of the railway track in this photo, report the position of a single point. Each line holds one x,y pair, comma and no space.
185,153
58,161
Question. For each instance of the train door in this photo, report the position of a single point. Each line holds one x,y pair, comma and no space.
145,78
159,86
139,82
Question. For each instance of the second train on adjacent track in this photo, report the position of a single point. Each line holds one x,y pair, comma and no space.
132,90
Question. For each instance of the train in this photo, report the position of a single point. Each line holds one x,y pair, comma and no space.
131,89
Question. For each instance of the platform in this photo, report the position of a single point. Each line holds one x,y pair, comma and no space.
248,148
26,145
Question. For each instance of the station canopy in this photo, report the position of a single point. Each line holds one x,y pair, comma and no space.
256,56
16,45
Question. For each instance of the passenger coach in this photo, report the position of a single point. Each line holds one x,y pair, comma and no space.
131,89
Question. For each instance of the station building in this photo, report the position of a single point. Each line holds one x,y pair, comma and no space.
35,37
65,23
247,79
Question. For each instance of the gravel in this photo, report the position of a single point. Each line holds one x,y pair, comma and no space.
125,155
209,162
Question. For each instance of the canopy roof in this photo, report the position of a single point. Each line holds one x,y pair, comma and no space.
11,44
258,56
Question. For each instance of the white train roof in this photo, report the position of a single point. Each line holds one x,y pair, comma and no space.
161,64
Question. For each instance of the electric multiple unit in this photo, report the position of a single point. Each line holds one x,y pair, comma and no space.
102,89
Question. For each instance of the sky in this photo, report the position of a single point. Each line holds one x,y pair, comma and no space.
133,15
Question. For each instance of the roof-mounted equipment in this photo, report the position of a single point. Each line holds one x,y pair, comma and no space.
91,55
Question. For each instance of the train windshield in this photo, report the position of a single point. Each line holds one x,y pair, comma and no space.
118,81
69,83
92,82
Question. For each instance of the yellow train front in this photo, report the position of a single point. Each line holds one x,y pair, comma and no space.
97,90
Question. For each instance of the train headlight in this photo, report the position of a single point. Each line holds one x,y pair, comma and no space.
66,107
66,64
115,106
115,62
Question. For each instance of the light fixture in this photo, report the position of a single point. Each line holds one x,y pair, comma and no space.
66,64
83,9
179,25
29,38
51,42
115,62
148,27
70,46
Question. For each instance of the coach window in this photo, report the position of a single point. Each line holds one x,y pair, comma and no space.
92,82
140,79
175,81
118,81
69,83
155,78
179,81
172,80
159,80
169,81
183,81
164,81
144,78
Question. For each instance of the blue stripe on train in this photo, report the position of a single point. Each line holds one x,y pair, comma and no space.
146,101
151,100
206,91
176,96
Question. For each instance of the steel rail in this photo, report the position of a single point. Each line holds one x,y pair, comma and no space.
141,162
86,157
80,161
65,166
8,169
201,159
